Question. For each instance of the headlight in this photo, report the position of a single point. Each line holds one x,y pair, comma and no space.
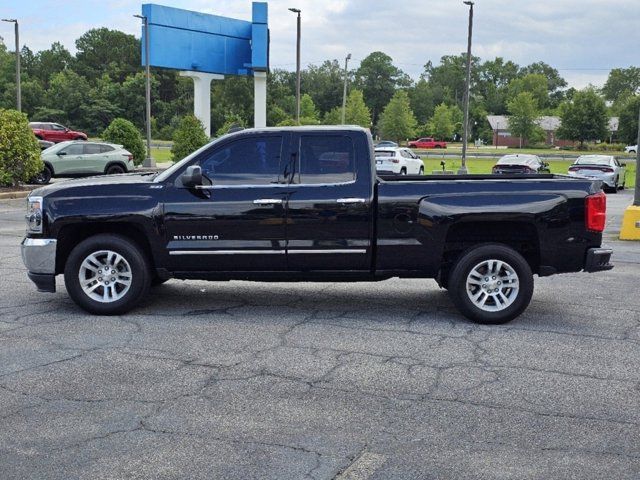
34,215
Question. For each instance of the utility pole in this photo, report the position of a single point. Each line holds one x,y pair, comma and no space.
148,162
344,90
636,196
298,11
18,87
463,168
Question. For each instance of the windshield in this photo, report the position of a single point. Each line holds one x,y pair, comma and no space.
593,160
177,166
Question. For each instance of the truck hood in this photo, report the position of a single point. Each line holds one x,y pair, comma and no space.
98,181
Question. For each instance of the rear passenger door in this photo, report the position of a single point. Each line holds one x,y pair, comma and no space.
94,159
330,204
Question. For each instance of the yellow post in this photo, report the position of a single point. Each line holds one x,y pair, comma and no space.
631,223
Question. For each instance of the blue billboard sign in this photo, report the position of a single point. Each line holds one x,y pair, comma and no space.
185,40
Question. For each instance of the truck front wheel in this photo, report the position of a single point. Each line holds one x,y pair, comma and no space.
491,284
107,274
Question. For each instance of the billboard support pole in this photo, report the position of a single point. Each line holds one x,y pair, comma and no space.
260,99
202,96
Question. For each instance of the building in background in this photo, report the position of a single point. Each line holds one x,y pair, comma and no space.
502,137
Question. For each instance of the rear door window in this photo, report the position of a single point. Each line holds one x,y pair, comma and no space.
326,159
106,148
91,148
246,161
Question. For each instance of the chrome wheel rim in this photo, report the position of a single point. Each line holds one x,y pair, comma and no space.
105,276
492,285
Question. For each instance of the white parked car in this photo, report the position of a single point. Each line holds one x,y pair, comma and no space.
399,161
602,167
631,148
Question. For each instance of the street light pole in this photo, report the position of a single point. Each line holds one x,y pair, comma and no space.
18,87
463,168
148,162
297,10
344,90
636,196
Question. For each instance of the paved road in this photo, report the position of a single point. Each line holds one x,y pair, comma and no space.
292,381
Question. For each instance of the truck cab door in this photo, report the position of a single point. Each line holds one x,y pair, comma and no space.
236,222
329,214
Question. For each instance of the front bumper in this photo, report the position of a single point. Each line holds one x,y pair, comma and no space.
39,256
598,259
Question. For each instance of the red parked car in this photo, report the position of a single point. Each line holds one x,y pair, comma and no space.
54,132
427,142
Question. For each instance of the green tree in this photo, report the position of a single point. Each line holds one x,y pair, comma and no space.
534,83
628,128
356,111
308,112
188,137
101,50
47,63
555,83
397,121
584,117
231,121
622,82
19,150
333,116
68,92
422,101
377,77
125,133
441,124
524,113
324,84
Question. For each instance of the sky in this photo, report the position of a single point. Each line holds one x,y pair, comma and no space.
583,39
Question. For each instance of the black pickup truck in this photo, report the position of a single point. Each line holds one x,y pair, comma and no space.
305,204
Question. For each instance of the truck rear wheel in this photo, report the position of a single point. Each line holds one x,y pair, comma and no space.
491,284
107,274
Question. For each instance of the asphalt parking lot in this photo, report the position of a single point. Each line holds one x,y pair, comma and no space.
321,381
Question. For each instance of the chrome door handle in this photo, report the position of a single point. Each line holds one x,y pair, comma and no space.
351,200
268,201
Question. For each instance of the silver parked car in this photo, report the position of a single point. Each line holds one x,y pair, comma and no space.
602,167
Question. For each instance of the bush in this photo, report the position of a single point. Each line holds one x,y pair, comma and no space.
19,149
188,137
125,133
230,121
608,147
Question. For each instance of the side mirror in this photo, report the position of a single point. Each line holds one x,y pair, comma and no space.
623,164
66,129
62,153
192,176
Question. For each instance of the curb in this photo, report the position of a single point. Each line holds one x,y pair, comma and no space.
12,195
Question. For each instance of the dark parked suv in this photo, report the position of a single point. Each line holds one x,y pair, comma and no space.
54,132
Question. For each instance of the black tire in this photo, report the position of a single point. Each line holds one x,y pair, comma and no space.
138,264
403,171
460,292
43,177
421,171
114,170
81,138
